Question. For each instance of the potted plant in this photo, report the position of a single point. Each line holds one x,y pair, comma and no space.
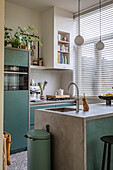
28,36
22,37
9,39
42,88
7,36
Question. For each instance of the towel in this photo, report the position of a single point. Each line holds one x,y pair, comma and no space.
4,154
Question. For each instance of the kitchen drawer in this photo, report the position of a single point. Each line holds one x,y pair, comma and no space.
16,57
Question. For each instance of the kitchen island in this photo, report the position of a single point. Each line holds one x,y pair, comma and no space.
76,143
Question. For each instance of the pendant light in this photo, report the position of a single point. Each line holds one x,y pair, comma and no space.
100,44
79,39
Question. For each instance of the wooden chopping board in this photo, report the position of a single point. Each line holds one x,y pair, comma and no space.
57,96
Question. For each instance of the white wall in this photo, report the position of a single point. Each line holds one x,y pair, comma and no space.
52,77
19,16
55,79
1,76
64,22
47,28
16,15
13,18
67,78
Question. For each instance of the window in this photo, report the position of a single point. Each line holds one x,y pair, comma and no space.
94,68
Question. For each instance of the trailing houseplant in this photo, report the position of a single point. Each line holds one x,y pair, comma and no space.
42,88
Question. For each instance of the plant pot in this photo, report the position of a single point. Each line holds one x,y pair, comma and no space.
15,45
42,95
23,47
5,43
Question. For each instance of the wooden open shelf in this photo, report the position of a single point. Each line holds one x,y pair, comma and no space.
64,52
38,67
63,42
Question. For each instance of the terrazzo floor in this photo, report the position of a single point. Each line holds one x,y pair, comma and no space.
18,161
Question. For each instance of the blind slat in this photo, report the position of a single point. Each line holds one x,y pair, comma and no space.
93,68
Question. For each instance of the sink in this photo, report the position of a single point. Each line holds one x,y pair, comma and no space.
62,109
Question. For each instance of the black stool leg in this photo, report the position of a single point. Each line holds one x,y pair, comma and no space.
109,157
104,156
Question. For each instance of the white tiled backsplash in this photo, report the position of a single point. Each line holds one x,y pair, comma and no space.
52,77
55,79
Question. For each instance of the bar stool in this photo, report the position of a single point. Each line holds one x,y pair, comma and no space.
107,140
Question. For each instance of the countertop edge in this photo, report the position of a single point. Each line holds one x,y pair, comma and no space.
91,116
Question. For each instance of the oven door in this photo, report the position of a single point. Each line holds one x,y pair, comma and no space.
15,81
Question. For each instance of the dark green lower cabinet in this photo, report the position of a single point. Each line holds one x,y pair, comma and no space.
16,57
32,108
16,118
95,129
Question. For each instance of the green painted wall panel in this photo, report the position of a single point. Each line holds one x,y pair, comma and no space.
16,57
16,117
95,129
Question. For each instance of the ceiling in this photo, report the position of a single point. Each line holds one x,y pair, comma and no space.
70,5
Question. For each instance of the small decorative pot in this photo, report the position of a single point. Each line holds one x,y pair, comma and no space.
42,95
40,61
15,45
23,47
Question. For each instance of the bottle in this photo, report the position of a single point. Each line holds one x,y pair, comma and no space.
59,37
85,105
65,59
63,48
61,59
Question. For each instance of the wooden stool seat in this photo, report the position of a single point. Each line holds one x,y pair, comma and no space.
107,139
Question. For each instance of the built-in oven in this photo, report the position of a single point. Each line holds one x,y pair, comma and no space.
15,78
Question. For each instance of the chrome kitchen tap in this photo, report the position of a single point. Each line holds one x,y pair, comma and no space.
77,100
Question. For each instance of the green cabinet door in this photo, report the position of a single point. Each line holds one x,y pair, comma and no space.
16,117
95,129
32,109
16,57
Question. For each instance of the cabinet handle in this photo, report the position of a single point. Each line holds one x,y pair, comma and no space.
32,124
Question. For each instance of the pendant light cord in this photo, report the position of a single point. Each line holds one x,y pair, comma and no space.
100,17
78,17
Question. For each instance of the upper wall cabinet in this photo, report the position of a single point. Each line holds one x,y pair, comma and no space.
57,38
16,57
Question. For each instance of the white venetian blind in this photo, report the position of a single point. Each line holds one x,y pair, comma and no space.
93,68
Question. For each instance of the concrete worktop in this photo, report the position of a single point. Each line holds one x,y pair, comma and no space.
95,111
76,136
52,102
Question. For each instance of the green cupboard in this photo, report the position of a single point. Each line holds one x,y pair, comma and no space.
16,100
33,108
